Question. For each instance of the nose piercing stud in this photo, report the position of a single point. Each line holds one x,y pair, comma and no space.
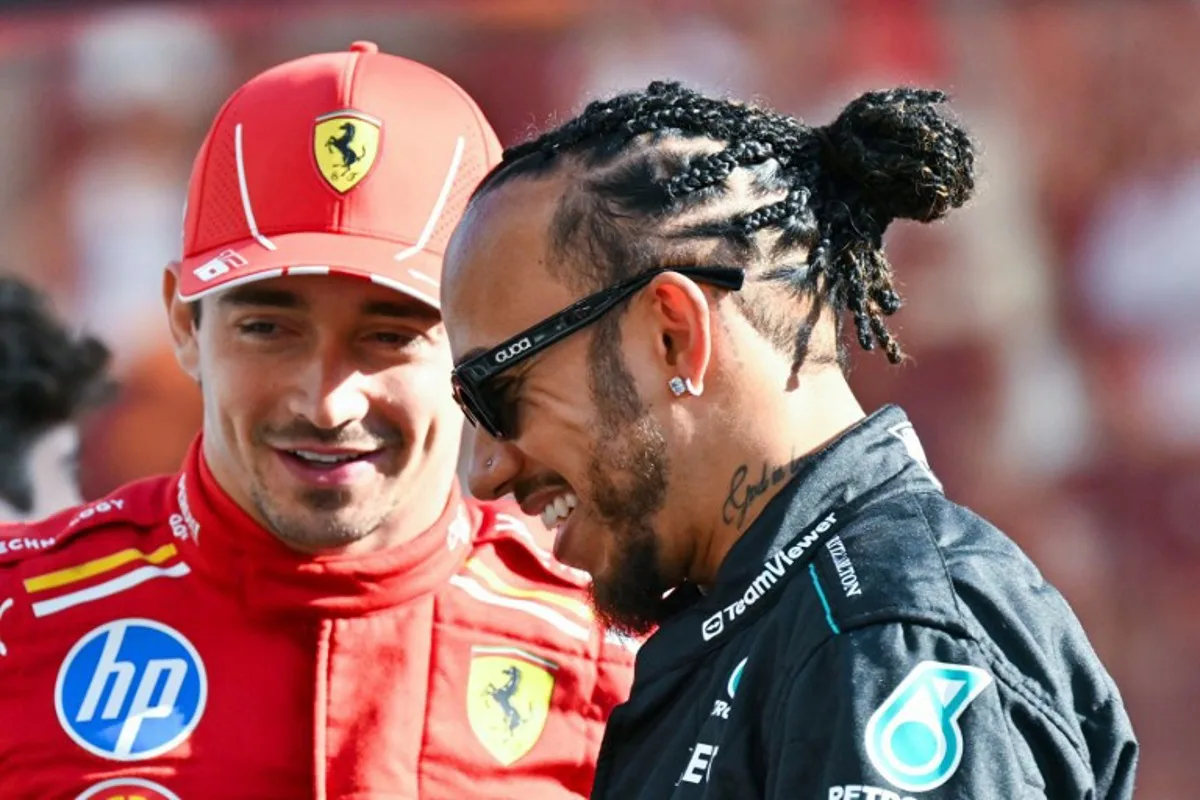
489,462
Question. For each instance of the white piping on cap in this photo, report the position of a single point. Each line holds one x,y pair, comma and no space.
245,190
438,207
406,289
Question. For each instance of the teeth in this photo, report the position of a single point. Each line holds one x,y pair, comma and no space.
559,509
324,458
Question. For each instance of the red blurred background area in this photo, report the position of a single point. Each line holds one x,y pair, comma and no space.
1054,378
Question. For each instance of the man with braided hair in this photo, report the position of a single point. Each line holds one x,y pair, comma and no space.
646,308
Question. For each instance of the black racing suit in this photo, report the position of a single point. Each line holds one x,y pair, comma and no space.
868,639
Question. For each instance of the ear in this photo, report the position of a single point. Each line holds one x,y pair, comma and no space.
683,316
182,323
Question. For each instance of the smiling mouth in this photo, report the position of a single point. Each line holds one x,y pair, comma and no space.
329,460
559,508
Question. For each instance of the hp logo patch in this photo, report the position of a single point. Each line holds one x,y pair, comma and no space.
131,689
913,739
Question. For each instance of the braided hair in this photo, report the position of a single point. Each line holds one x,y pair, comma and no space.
660,165
47,377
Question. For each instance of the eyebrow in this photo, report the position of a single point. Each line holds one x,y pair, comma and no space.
402,308
258,296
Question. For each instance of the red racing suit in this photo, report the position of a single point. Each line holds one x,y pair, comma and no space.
160,644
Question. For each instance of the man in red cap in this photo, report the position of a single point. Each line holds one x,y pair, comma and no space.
311,607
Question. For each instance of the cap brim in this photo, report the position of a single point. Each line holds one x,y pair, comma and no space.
411,270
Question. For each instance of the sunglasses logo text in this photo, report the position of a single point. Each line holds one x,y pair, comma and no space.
513,350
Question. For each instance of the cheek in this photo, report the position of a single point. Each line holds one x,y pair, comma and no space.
560,432
420,394
237,395
558,406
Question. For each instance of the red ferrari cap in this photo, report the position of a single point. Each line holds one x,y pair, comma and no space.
357,163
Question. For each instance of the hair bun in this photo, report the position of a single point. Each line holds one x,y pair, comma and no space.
902,154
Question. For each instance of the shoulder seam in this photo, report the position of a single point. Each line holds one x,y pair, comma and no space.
989,653
1030,692
1017,682
909,613
790,678
911,498
63,538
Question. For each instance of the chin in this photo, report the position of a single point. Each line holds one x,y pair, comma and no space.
315,532
323,501
628,594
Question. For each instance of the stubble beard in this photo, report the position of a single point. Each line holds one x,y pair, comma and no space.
327,519
317,519
628,473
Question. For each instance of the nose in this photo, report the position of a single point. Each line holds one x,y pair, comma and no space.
494,465
330,392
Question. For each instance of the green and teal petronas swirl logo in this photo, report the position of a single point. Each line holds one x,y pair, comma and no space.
913,739
735,677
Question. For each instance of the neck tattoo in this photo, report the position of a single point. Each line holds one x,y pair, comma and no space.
744,495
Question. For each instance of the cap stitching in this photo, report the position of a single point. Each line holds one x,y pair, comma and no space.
244,189
439,203
358,232
346,95
202,159
477,112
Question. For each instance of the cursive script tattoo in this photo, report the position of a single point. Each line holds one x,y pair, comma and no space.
743,495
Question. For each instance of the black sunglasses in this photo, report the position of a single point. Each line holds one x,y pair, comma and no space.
470,379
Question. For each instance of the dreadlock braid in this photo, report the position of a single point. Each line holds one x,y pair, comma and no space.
825,193
48,377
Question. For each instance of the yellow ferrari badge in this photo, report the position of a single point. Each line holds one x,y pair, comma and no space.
345,144
508,699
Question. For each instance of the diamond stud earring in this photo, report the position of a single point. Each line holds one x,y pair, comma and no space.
680,386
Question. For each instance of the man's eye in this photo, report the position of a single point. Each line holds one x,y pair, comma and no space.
258,328
506,401
393,338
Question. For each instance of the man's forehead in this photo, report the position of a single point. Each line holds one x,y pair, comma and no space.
306,292
504,222
496,279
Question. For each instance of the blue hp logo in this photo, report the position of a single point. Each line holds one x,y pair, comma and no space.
130,689
913,739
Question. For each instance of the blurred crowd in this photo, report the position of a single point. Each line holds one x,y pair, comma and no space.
1055,377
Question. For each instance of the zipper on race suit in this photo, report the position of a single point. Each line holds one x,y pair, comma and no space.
321,711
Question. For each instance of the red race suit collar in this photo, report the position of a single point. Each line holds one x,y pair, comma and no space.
233,550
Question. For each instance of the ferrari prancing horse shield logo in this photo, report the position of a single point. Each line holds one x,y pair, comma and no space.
345,144
508,700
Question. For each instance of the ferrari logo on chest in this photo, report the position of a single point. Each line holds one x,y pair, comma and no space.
345,144
508,700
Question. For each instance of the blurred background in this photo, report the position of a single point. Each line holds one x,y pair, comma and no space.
1056,373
